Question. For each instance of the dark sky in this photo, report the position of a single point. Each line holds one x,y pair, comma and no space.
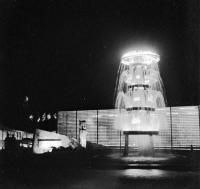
65,55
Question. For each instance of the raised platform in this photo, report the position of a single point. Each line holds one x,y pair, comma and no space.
160,160
146,146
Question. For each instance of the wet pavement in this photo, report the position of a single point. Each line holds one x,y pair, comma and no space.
128,178
106,171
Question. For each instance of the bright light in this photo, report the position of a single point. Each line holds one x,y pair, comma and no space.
140,57
136,99
55,116
145,173
136,120
48,116
38,120
26,99
31,117
44,117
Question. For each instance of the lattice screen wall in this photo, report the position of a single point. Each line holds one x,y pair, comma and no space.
185,126
179,127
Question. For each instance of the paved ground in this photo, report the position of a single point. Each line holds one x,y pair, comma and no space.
66,170
127,178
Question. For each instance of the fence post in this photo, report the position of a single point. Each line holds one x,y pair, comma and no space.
126,144
97,128
171,128
199,123
120,142
76,125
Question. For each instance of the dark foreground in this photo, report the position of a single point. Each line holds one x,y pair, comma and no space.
89,169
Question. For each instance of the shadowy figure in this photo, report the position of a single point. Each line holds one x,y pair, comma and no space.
10,142
7,142
13,142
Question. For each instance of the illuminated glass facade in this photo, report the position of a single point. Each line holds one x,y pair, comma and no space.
179,128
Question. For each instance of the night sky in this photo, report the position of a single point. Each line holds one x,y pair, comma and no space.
64,54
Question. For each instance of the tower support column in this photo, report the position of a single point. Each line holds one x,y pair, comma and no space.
126,144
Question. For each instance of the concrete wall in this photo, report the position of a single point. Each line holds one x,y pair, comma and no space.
44,141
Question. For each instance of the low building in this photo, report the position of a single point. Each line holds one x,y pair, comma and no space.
22,137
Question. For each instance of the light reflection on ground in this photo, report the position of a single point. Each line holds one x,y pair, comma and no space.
155,174
100,179
145,159
144,173
159,157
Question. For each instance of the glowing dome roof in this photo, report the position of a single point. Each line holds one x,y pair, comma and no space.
140,57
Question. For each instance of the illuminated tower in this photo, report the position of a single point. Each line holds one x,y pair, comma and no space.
139,91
